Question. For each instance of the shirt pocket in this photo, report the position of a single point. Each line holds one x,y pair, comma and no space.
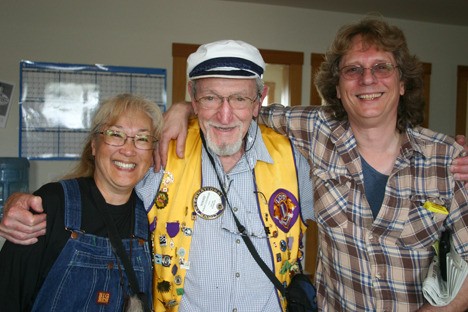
331,198
422,227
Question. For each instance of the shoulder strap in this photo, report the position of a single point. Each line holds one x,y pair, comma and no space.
72,210
116,242
257,258
141,220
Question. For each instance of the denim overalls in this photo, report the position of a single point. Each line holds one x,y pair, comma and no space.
85,276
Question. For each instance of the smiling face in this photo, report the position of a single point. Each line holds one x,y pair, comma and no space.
369,101
119,168
225,128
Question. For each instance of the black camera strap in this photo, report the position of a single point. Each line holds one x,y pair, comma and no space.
243,232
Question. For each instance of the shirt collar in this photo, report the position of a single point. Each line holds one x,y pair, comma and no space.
258,151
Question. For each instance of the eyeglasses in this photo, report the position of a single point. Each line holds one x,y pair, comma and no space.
118,138
379,70
235,101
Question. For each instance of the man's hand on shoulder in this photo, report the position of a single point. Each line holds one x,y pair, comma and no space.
23,219
459,166
175,128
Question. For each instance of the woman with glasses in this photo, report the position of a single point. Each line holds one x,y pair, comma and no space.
76,266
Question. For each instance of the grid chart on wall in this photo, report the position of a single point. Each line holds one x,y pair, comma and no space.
57,102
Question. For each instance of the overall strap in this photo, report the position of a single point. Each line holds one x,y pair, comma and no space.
141,220
118,246
72,194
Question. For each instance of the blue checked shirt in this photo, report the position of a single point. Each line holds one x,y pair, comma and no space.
366,264
223,275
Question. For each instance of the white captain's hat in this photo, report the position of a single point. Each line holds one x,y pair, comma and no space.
226,59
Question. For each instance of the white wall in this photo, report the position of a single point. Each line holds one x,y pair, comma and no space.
140,33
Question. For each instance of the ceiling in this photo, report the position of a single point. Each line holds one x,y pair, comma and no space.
451,12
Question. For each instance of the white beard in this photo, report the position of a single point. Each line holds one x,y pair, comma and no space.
224,149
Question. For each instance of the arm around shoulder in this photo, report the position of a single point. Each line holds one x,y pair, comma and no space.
23,220
175,128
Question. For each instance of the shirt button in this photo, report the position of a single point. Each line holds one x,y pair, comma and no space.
377,275
237,274
235,209
234,310
238,241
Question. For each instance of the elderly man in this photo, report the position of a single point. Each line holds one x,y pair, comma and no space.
233,169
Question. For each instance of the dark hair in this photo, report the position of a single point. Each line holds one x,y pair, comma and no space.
375,32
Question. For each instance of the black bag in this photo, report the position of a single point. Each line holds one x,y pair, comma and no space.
301,294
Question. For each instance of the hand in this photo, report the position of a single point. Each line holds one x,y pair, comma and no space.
175,128
19,224
460,165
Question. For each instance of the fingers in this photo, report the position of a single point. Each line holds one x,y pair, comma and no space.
22,227
23,220
175,128
23,201
180,144
163,148
22,241
461,177
156,159
460,165
461,139
35,203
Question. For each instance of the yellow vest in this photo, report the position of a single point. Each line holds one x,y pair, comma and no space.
172,216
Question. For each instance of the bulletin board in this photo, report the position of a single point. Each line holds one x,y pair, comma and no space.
57,102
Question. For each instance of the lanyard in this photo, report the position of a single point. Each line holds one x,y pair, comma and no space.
242,230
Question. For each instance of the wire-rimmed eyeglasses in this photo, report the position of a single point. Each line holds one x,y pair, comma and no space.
118,138
214,101
379,70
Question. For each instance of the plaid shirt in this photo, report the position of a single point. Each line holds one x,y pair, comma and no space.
366,264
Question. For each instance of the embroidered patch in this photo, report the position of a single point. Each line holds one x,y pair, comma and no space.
161,200
284,209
